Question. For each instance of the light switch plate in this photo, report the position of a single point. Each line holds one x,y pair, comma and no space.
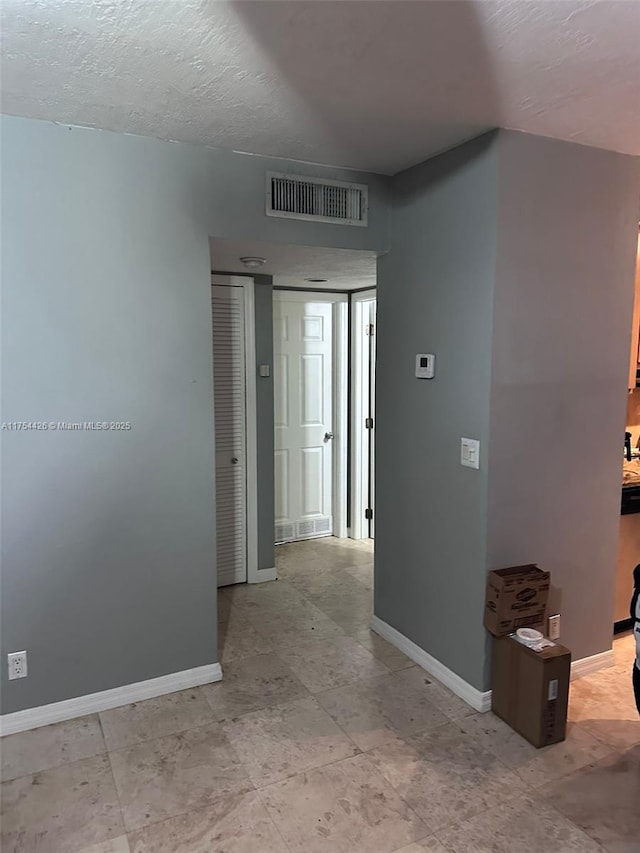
425,365
265,371
554,627
470,452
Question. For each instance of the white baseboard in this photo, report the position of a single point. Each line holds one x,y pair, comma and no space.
472,696
264,575
475,698
585,666
68,709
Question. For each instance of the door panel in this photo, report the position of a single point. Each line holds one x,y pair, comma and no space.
312,390
312,464
312,329
282,484
229,384
281,390
303,383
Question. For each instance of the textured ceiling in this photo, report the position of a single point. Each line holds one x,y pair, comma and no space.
370,85
291,266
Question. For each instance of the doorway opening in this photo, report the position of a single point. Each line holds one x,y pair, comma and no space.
310,414
629,531
309,367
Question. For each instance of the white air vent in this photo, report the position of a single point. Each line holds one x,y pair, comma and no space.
303,529
285,533
317,199
306,528
323,525
314,527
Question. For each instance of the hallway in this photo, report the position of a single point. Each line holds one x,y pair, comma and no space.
322,737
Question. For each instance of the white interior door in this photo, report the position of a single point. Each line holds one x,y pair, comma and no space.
229,384
371,397
303,388
363,355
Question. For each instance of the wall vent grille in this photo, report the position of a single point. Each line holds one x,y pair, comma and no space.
323,525
317,199
285,533
315,527
307,529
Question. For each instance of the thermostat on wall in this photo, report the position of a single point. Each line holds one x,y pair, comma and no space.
425,365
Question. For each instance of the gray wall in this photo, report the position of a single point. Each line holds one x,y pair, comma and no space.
435,294
265,418
567,230
108,573
512,258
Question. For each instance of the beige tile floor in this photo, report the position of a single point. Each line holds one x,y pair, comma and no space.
322,737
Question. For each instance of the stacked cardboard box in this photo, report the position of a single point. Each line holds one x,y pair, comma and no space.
516,598
530,688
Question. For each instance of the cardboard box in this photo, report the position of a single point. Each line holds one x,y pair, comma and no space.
516,598
530,690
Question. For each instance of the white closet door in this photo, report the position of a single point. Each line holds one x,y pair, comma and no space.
229,387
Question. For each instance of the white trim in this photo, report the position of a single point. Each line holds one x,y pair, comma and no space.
480,701
371,460
69,709
357,417
359,410
594,663
251,413
477,699
303,295
251,429
340,395
265,575
364,295
340,405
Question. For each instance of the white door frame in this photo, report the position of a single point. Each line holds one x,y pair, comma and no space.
340,400
254,575
359,411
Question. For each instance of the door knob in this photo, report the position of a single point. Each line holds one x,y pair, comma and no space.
234,460
328,436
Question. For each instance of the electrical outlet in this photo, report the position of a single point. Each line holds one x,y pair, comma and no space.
554,627
17,662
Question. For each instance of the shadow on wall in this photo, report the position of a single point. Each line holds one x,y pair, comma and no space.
429,175
391,72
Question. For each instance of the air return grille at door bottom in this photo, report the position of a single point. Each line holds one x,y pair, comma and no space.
285,532
303,529
317,199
